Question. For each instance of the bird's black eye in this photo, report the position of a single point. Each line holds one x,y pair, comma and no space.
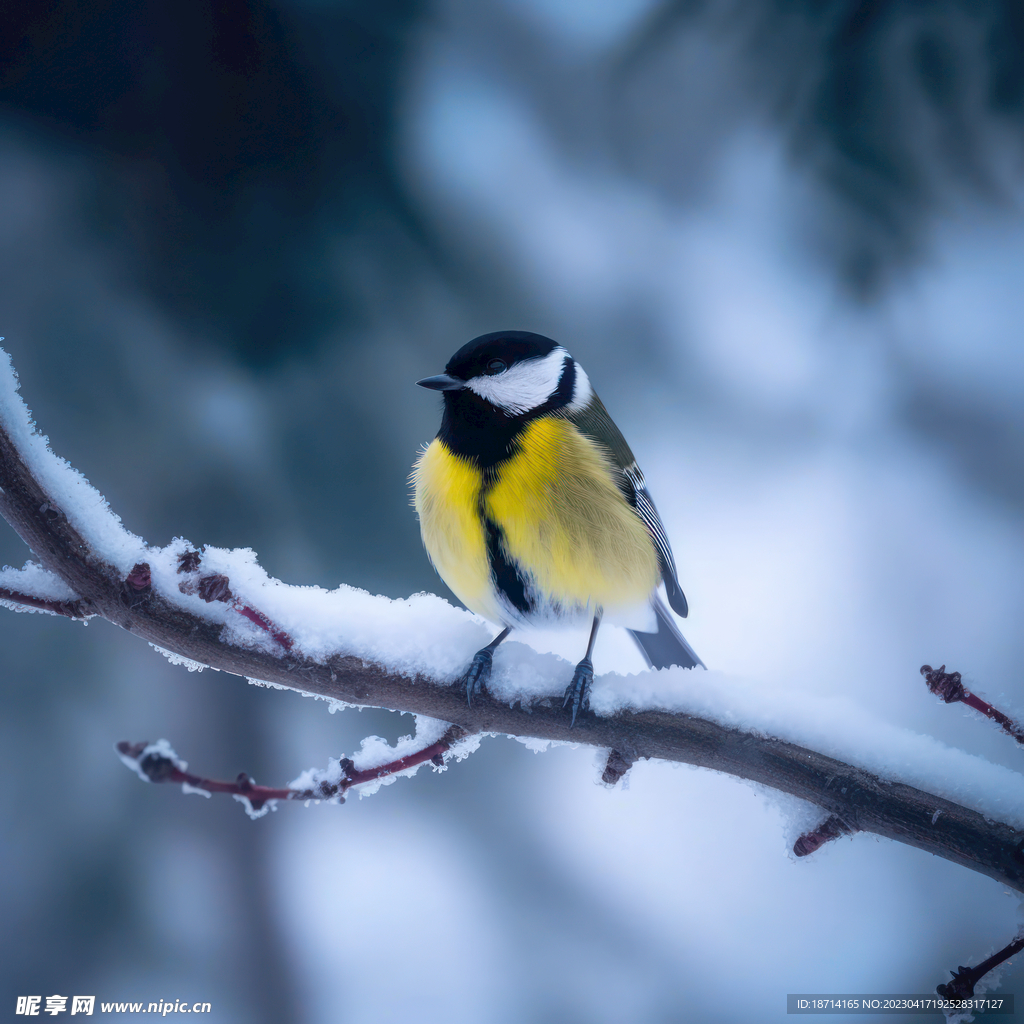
495,366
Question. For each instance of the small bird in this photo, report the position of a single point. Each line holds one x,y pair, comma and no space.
533,510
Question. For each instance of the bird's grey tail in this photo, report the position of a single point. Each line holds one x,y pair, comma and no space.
667,647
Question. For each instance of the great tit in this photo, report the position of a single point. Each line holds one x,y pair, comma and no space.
533,509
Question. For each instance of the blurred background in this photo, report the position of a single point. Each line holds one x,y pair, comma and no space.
785,239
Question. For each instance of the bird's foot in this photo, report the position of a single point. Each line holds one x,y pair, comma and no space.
479,675
578,691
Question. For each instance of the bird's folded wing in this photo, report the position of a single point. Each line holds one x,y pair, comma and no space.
643,505
593,421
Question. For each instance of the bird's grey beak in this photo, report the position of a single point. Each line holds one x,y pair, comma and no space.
442,382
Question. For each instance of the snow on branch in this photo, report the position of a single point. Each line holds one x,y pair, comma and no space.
218,608
158,762
33,589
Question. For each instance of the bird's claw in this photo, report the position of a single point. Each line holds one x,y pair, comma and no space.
578,691
478,675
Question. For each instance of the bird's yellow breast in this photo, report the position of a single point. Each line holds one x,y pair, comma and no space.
561,517
565,520
447,500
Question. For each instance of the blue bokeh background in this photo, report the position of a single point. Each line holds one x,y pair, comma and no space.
786,241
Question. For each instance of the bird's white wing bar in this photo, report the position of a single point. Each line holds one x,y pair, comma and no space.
644,506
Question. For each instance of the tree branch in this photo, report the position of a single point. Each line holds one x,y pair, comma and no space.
158,762
70,609
949,686
859,799
964,979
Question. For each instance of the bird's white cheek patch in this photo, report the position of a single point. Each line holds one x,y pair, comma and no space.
524,386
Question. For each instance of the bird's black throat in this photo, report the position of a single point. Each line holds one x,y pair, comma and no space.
473,428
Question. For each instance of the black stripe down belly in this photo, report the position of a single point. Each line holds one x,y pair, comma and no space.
506,574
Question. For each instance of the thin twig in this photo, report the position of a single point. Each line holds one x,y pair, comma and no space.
217,587
71,609
965,978
949,686
616,767
158,764
831,828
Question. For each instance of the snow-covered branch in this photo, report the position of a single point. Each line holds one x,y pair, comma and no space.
218,608
158,762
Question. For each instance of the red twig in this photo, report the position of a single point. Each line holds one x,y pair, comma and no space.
831,828
158,767
434,753
950,688
264,623
158,763
218,588
617,765
72,609
965,978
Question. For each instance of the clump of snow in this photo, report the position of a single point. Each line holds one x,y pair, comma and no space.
180,659
798,817
541,746
468,745
313,778
86,509
161,748
375,752
277,686
34,581
422,634
254,812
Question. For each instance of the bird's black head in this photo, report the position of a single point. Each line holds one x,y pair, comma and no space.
491,354
514,371
496,383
